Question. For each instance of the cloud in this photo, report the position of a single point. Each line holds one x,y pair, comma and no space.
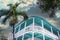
3,3
58,14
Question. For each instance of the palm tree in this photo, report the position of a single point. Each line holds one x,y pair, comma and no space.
50,5
13,13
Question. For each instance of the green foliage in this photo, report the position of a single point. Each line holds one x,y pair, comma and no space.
13,13
50,4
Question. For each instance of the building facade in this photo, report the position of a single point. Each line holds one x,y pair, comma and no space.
36,28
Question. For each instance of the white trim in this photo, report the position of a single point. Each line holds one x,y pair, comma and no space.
41,30
25,24
33,30
23,37
58,33
42,23
19,27
51,30
33,36
43,36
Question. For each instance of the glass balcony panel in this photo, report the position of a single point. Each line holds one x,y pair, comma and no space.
22,26
19,38
28,35
47,38
47,26
17,29
55,31
28,22
38,21
38,35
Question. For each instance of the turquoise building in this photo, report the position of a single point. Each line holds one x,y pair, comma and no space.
36,28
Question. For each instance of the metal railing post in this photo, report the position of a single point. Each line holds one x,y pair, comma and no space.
58,33
42,24
22,37
51,30
42,29
33,30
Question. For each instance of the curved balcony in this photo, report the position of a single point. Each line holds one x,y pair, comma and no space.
37,25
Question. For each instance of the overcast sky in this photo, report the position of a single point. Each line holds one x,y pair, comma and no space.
27,6
3,3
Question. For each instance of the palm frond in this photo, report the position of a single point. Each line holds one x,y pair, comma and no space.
22,14
12,12
7,16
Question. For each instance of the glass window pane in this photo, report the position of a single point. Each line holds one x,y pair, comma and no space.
28,22
38,35
47,26
38,21
28,35
22,26
17,29
19,38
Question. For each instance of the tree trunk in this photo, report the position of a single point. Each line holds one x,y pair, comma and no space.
12,24
13,33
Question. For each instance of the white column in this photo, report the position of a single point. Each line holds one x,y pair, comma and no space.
51,30
25,24
33,30
42,24
43,36
58,33
42,29
23,37
32,36
19,27
33,24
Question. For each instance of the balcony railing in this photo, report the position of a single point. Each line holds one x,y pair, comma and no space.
39,22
